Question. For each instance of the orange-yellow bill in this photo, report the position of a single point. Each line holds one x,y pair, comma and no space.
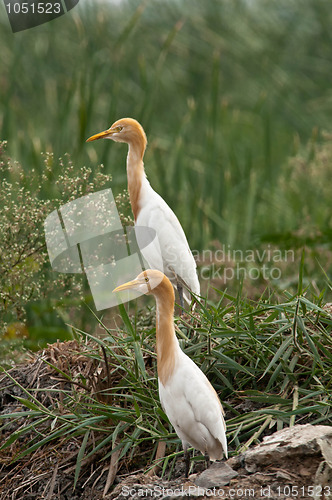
126,286
100,135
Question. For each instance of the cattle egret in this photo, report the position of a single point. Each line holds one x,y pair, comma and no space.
186,395
150,210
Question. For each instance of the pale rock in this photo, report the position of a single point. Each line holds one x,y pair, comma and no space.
300,440
217,475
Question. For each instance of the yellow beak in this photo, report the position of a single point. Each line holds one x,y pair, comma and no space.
126,286
101,135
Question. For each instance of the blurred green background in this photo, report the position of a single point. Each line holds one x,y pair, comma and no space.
235,97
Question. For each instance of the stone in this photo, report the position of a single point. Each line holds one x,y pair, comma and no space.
217,475
299,440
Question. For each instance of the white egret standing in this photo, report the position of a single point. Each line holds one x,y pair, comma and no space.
186,395
150,210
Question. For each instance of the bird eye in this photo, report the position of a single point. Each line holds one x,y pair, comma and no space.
119,128
146,279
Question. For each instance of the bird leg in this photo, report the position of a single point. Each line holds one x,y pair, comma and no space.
207,460
186,462
180,292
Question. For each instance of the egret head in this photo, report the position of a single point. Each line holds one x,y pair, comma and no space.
124,130
146,282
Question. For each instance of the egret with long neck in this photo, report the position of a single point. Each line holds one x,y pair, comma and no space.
172,255
186,395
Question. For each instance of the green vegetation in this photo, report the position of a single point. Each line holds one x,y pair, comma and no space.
35,303
227,92
271,366
235,97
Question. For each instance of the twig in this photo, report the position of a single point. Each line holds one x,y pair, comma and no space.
160,453
50,491
113,469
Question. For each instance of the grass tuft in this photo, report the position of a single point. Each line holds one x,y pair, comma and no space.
104,396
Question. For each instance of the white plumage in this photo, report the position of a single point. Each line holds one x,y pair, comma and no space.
197,416
186,395
177,258
171,253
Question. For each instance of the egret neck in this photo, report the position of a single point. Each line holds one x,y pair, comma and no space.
135,171
166,341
